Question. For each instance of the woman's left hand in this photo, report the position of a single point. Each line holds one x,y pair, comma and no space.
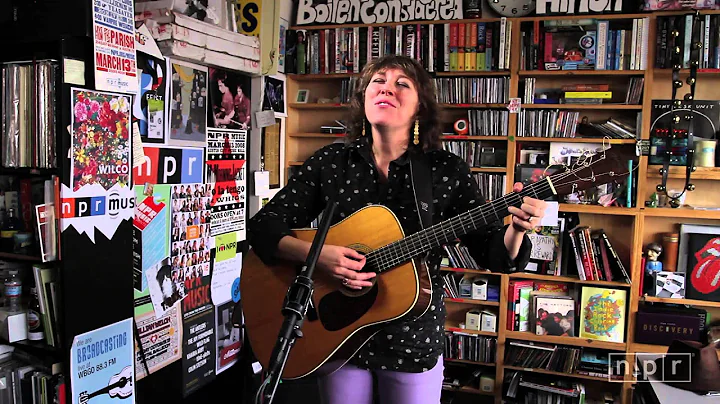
530,213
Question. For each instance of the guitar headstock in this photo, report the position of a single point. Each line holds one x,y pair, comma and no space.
610,164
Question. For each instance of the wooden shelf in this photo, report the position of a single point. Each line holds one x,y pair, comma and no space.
317,135
567,279
686,71
690,302
470,271
583,106
312,77
19,257
574,341
550,372
530,73
473,73
501,170
656,349
466,106
577,17
573,140
471,301
298,105
468,390
454,328
681,212
700,173
597,209
295,163
468,362
463,137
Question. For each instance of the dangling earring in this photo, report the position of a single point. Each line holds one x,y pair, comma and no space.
363,128
416,140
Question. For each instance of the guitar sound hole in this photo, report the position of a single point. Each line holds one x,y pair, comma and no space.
338,310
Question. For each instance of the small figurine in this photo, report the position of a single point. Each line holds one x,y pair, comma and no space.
652,253
654,201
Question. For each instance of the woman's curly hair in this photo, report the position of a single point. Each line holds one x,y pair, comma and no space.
429,110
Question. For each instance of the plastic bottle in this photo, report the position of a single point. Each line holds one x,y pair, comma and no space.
13,291
36,330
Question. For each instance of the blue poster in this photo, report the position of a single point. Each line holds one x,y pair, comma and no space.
102,366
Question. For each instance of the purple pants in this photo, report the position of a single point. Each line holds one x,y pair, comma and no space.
352,385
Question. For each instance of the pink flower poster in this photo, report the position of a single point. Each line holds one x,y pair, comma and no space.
100,139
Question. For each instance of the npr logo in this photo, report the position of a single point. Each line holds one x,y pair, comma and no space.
166,165
110,205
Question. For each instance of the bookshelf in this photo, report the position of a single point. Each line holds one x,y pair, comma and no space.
630,228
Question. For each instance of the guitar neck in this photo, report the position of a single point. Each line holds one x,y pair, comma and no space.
403,250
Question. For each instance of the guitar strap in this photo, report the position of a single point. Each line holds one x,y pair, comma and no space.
422,187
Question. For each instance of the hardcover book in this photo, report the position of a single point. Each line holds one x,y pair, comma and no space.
603,314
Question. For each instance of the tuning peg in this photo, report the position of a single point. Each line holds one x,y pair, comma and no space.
676,118
674,203
688,97
660,188
695,63
662,170
678,103
677,66
693,169
675,32
677,50
698,45
688,117
690,187
691,80
677,83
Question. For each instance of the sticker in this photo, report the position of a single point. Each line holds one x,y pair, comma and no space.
236,290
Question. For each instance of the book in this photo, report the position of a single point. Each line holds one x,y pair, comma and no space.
603,314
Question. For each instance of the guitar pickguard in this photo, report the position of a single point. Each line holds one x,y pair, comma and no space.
338,310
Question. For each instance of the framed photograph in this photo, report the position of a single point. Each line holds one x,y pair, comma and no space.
284,24
270,152
187,99
274,95
229,99
302,96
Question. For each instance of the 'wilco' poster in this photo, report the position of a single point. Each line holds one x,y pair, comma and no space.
102,366
226,173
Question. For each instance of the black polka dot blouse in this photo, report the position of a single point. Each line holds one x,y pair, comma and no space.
348,171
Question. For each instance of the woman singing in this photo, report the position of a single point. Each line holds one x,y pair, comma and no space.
394,113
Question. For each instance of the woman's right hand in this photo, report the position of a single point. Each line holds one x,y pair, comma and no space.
344,264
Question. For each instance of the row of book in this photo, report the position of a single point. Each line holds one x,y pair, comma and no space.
29,111
488,122
585,44
491,186
595,257
709,40
347,89
581,93
472,90
530,388
458,256
547,123
468,150
469,347
25,380
614,128
481,46
563,359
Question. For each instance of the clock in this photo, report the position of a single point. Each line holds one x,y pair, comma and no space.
512,8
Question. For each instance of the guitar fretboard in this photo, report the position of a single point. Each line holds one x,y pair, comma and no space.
405,249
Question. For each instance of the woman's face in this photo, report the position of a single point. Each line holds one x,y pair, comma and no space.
391,99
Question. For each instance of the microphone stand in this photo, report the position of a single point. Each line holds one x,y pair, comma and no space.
296,304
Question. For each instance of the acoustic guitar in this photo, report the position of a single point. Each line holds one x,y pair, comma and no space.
340,320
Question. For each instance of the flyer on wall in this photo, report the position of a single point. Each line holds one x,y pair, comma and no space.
160,337
114,45
149,106
100,123
225,292
226,173
102,366
187,104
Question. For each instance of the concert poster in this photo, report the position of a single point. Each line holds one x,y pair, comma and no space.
225,174
229,99
149,106
102,366
187,104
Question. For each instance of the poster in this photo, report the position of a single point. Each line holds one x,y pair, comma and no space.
270,152
171,165
228,330
149,105
101,139
101,365
190,248
226,268
187,104
114,45
94,208
199,347
161,339
275,95
151,230
230,99
284,25
226,173
166,285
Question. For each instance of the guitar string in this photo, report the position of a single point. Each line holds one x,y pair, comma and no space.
382,258
584,161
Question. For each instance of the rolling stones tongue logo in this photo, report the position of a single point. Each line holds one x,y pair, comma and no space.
706,274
